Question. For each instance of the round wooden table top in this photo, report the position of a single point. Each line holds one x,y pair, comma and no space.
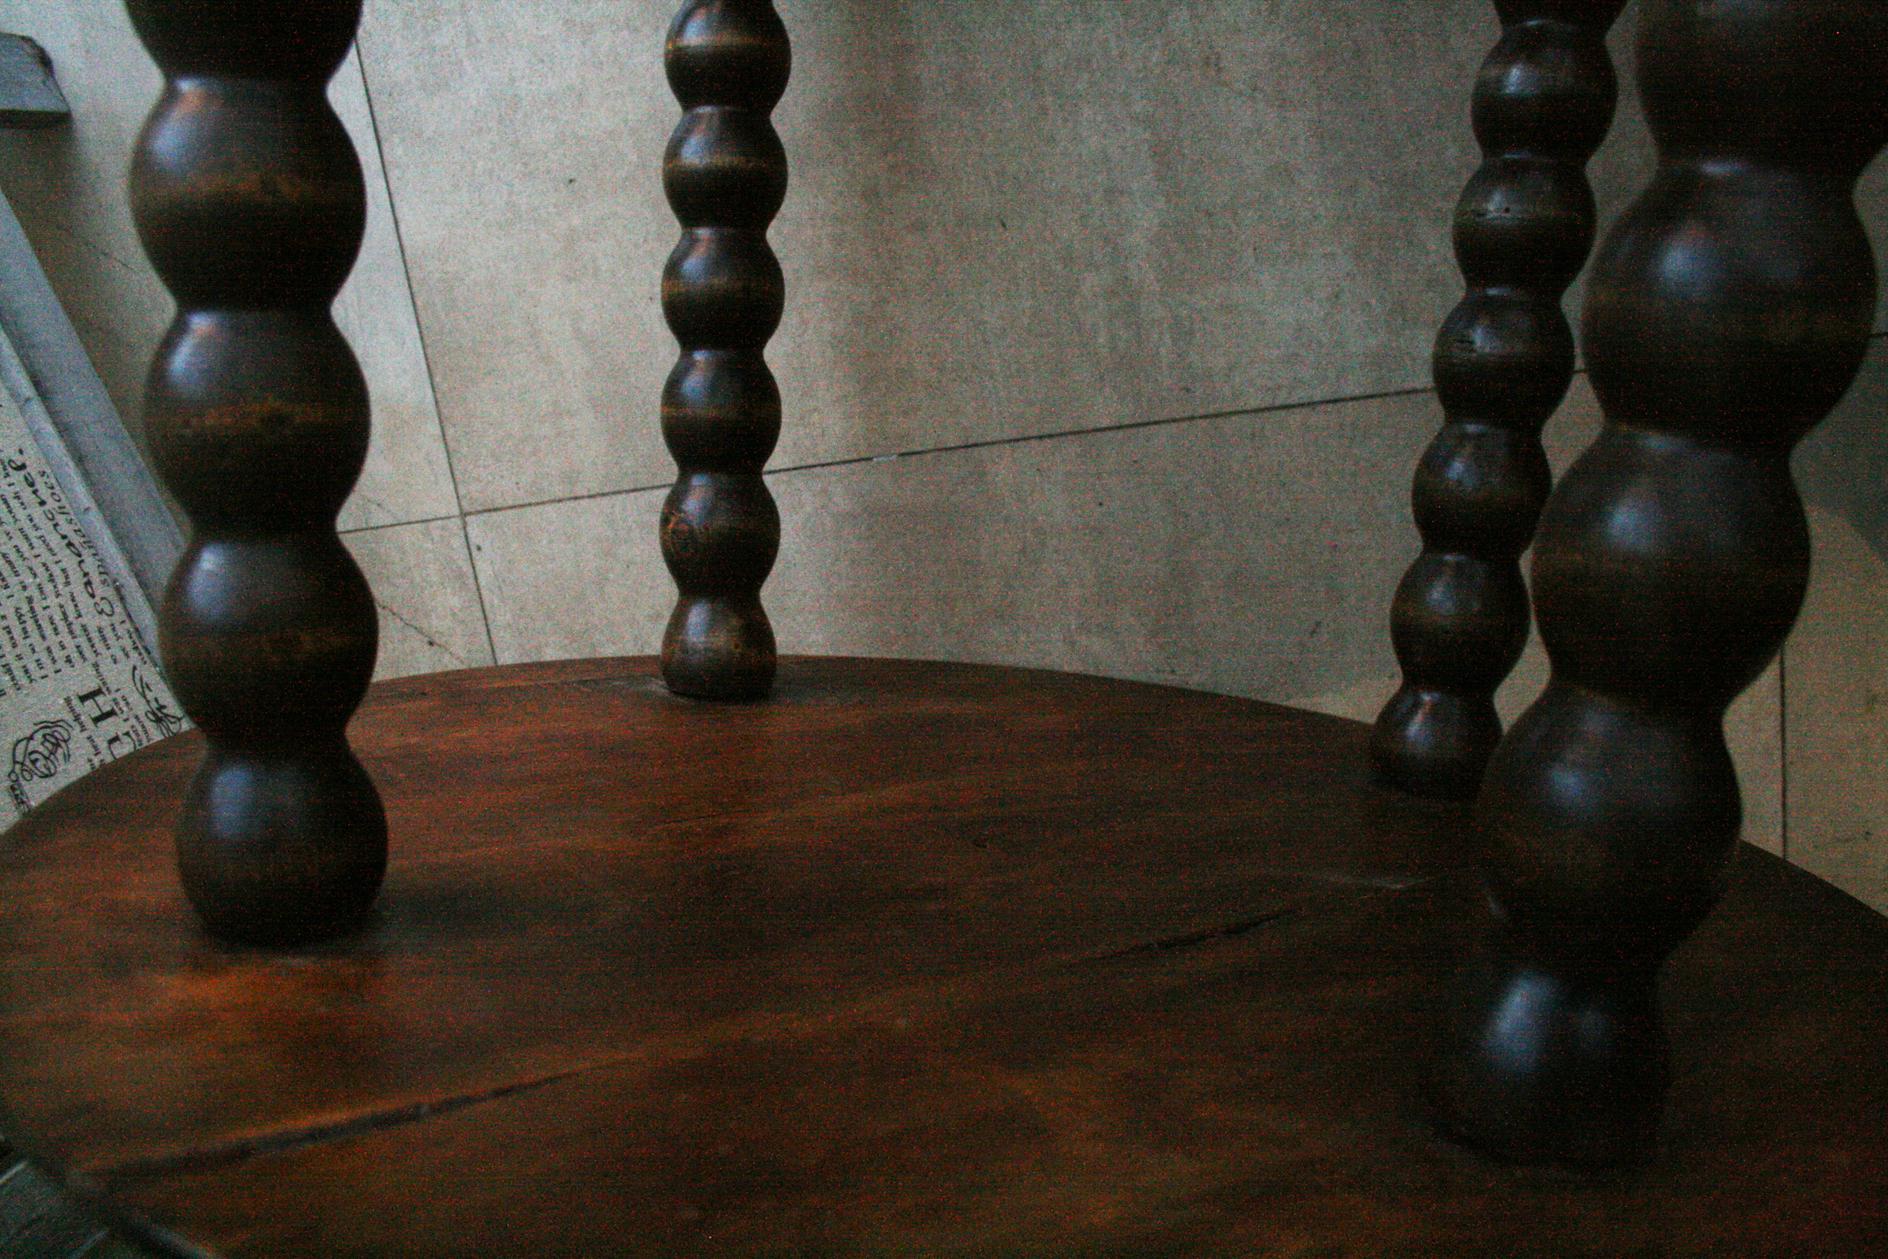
912,959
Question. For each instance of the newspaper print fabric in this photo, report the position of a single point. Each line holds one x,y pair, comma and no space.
77,687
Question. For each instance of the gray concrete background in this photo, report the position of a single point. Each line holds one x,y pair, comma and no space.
1107,344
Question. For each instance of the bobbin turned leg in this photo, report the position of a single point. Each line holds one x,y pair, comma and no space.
1729,311
1503,359
726,176
250,204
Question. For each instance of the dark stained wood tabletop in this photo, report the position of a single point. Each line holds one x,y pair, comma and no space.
911,959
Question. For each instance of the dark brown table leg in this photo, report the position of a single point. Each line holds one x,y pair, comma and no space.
1503,360
723,292
250,203
1729,311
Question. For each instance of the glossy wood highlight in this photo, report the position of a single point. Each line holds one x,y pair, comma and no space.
723,292
914,959
1728,312
1503,360
249,201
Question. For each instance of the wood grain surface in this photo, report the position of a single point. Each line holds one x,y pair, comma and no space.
915,959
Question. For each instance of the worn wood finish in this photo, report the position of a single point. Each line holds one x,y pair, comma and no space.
916,959
1729,311
723,293
249,201
1503,360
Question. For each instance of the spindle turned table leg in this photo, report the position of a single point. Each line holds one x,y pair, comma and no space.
1729,311
726,177
249,200
1503,360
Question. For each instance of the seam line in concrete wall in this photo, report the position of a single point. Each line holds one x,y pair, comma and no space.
1783,749
1130,426
426,356
357,530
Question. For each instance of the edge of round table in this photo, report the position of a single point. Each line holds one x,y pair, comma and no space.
914,957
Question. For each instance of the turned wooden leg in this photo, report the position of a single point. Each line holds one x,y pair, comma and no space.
249,200
723,293
1729,311
1503,360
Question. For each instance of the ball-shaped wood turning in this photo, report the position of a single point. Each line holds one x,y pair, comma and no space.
249,200
723,293
1729,311
1503,360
